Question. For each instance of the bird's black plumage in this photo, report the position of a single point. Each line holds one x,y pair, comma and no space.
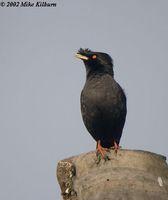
103,102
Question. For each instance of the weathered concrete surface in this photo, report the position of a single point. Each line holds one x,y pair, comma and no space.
129,175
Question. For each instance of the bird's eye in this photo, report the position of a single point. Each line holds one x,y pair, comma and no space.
94,57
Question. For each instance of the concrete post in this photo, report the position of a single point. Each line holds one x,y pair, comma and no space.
129,175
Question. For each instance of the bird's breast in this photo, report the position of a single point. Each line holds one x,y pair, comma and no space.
103,94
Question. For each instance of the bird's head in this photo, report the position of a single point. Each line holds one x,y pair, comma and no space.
95,62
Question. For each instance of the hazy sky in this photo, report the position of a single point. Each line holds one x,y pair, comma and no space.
41,81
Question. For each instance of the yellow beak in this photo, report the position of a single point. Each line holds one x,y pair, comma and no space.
81,57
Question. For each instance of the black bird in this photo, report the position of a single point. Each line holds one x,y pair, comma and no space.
103,101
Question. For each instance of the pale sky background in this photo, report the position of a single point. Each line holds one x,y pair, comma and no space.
41,81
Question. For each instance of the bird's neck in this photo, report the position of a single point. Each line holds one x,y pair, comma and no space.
98,73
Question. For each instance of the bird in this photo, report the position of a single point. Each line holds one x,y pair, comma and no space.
103,101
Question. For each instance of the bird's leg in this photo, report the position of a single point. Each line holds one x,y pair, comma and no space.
101,151
116,147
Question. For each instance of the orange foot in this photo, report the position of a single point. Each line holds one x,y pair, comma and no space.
116,147
101,152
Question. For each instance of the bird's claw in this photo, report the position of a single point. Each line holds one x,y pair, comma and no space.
99,157
101,152
116,147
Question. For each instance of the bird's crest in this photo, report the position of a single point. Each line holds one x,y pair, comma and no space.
84,51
